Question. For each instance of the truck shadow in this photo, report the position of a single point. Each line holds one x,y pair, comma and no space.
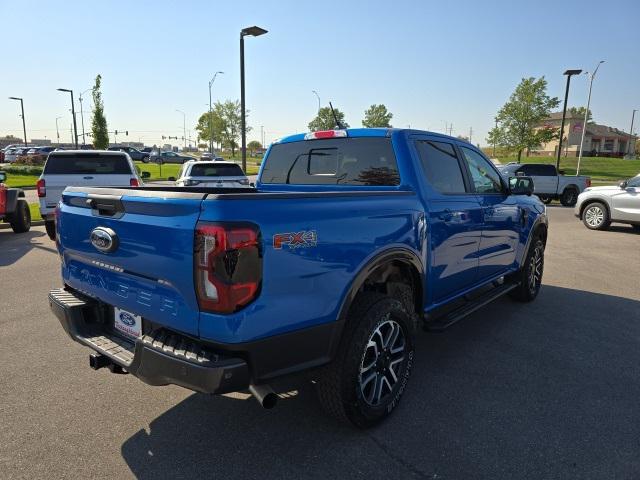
14,246
547,389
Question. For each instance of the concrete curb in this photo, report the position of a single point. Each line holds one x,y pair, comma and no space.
34,223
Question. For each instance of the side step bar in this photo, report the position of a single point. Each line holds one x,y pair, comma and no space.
438,324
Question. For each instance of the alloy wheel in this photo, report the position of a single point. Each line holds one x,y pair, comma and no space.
382,361
535,269
594,216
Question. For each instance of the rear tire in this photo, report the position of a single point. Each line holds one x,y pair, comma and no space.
530,275
595,216
569,197
365,381
20,220
546,200
50,227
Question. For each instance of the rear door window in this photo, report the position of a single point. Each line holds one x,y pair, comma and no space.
87,164
341,161
441,166
216,171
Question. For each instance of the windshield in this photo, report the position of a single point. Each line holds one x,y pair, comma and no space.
634,182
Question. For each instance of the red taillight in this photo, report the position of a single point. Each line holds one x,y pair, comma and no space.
325,134
134,182
588,181
228,266
41,187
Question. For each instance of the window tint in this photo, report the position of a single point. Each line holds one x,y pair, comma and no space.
216,171
537,169
485,178
441,166
83,164
342,161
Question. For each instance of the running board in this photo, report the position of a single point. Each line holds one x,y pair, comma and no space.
438,324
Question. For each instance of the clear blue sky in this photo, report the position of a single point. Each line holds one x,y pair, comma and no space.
429,62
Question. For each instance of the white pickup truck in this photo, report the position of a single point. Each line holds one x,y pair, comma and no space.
81,168
548,183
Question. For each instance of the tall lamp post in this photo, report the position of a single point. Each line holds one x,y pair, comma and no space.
58,130
211,112
184,127
568,73
633,114
316,94
24,128
586,113
252,32
73,113
82,113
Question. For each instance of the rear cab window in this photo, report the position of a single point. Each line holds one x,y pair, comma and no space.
351,161
87,164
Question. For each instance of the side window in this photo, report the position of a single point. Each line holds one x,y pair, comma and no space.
441,166
548,170
484,176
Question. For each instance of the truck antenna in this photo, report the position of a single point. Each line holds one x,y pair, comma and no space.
335,117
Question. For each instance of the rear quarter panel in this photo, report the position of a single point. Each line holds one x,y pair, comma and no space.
305,286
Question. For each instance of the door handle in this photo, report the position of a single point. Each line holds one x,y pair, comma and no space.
87,178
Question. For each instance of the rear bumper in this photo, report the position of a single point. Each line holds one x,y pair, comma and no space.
159,357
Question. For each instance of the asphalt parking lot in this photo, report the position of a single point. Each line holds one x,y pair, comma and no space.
543,390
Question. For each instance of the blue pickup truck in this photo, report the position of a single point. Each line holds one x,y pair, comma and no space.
350,242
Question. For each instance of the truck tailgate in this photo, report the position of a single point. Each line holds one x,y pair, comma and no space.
150,271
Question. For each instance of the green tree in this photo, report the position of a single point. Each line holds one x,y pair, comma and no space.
227,123
377,116
579,112
254,145
99,128
210,126
519,120
325,121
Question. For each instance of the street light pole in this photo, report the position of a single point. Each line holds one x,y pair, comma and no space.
211,112
568,73
313,91
57,130
633,114
82,115
73,113
253,32
184,127
586,113
24,128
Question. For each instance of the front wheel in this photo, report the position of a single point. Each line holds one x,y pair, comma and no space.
20,220
366,380
530,275
596,217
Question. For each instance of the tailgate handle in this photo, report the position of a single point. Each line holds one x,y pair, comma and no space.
106,207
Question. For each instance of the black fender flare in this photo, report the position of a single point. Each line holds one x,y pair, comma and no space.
13,194
540,222
394,253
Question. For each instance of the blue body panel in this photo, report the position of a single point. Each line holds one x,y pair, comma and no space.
462,242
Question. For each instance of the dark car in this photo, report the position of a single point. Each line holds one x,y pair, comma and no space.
169,157
134,153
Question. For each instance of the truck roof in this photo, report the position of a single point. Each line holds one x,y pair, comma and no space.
370,132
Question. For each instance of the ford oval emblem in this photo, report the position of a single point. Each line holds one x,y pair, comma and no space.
104,239
127,319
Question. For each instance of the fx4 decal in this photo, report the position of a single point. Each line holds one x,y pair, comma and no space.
304,239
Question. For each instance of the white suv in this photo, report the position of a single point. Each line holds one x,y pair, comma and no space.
212,174
90,168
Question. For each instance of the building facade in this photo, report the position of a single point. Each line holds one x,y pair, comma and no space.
599,140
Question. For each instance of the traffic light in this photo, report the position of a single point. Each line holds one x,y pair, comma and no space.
126,132
116,132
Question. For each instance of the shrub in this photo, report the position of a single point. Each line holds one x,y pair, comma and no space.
23,170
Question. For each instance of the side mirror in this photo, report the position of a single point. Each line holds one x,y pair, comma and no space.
561,172
520,185
172,179
3,177
145,175
623,184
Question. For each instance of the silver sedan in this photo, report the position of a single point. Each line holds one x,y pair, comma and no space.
598,207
